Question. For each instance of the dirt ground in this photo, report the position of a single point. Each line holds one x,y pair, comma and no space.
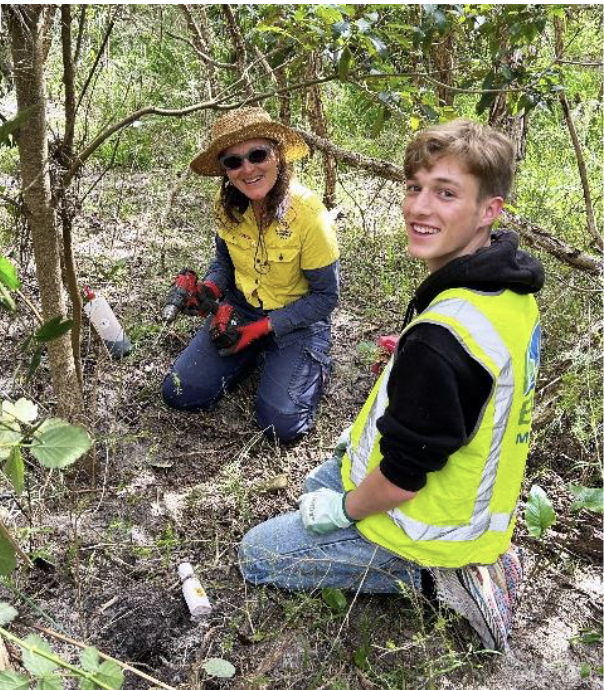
172,487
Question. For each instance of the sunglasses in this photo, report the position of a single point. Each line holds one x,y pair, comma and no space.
234,161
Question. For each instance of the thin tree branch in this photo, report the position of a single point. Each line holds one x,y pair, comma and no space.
239,45
98,56
589,209
68,80
31,306
205,58
80,38
540,239
580,64
375,166
199,44
5,533
215,104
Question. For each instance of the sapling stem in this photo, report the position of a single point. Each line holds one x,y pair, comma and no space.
55,659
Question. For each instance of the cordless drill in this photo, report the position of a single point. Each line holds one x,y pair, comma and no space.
185,295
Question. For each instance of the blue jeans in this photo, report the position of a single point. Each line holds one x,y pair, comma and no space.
294,372
282,553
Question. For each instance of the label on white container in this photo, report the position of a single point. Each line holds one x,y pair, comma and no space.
194,594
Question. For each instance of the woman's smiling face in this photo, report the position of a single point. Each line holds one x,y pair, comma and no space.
255,180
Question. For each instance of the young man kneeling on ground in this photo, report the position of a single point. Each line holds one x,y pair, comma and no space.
425,488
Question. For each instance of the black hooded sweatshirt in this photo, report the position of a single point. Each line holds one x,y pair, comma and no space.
436,391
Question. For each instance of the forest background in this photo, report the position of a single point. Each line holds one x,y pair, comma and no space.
103,107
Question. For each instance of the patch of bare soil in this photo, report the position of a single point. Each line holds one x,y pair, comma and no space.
172,487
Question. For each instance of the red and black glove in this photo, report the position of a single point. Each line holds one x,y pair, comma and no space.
229,337
203,300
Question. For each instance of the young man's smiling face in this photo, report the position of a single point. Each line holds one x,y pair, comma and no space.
443,215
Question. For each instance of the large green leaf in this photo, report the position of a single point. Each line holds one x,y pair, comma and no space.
23,410
6,300
89,659
7,613
586,497
9,438
13,681
14,469
218,668
8,274
53,329
344,63
38,665
539,514
51,681
8,558
13,125
110,673
35,363
59,444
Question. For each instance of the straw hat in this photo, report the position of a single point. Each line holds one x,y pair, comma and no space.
239,125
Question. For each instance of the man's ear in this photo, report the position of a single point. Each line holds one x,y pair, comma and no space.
491,208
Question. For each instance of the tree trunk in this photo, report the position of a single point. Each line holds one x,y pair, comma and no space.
589,208
441,55
515,126
239,46
27,45
318,123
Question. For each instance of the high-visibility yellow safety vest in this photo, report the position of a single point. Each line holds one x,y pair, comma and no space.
466,511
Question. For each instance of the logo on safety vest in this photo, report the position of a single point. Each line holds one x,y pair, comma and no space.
533,357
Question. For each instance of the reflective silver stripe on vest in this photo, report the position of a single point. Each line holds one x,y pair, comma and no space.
359,457
485,335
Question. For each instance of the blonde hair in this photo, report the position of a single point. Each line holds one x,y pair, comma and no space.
484,152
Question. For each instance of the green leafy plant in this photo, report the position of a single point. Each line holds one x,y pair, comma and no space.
49,671
586,498
335,599
218,668
53,442
539,514
47,331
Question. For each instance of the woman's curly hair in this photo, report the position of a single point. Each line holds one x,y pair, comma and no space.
235,203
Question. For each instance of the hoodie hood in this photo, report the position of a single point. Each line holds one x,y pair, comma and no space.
498,267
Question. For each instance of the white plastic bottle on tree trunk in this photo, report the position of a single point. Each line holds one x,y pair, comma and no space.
106,324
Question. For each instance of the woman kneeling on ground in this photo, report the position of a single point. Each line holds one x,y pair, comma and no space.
275,274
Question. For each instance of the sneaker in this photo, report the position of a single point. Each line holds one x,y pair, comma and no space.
484,595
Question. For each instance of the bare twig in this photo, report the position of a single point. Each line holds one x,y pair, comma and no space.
540,239
31,306
108,31
4,532
199,44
